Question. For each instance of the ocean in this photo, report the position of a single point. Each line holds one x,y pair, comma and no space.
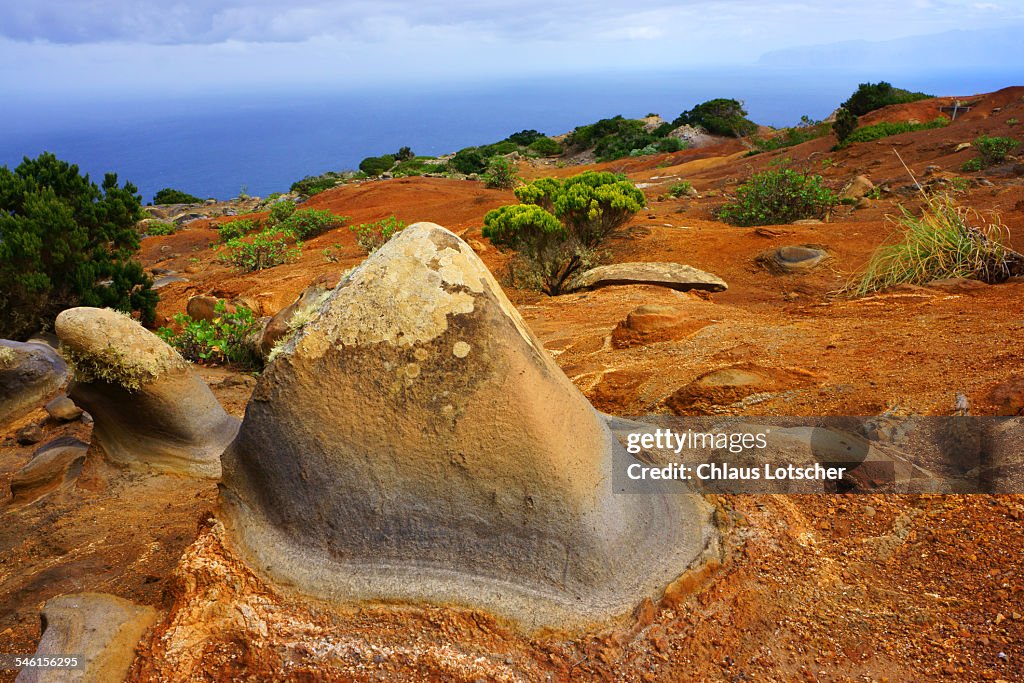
218,144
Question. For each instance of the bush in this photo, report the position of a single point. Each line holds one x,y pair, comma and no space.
417,166
501,174
719,116
170,196
545,146
993,150
788,137
404,154
559,224
680,189
526,138
871,96
374,166
155,228
315,184
306,223
220,341
264,249
941,243
469,160
844,125
372,236
885,129
778,196
281,211
234,229
65,242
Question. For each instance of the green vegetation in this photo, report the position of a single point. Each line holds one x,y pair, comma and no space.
372,236
65,242
679,189
417,166
315,184
778,196
375,166
559,224
545,147
991,151
619,137
844,125
236,228
871,96
154,228
171,196
281,211
265,249
469,160
306,223
719,116
221,341
941,243
501,174
787,137
885,129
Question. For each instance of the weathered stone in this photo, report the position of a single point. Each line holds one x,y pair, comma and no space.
654,323
29,374
203,307
792,259
150,407
63,409
415,442
55,462
858,187
672,275
101,629
28,435
957,285
292,316
165,280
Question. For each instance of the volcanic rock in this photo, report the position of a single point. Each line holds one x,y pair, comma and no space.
414,442
150,407
58,461
29,374
292,315
793,259
63,409
858,187
654,323
672,275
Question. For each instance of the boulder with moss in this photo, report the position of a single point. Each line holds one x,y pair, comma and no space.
150,408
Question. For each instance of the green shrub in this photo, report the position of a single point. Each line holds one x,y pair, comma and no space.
719,116
941,243
155,228
66,242
844,125
971,165
315,184
404,154
417,166
526,138
171,196
559,224
885,129
265,249
789,137
281,211
234,229
219,341
501,174
499,148
680,189
469,160
374,166
993,150
545,147
778,196
306,223
871,96
372,236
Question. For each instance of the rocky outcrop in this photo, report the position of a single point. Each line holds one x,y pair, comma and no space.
102,630
29,374
414,442
150,407
672,275
53,464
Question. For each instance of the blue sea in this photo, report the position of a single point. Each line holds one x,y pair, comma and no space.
217,144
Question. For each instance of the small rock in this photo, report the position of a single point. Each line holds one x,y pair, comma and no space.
863,203
792,259
962,146
808,221
672,275
28,435
999,619
858,187
63,409
653,323
203,307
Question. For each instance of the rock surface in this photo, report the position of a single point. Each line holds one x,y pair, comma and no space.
650,324
149,406
415,443
63,409
54,463
672,275
283,322
101,629
29,374
858,187
793,259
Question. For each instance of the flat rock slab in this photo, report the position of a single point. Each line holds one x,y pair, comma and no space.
675,276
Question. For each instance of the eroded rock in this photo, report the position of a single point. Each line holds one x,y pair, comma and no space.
52,464
654,323
793,259
672,275
414,442
149,406
29,374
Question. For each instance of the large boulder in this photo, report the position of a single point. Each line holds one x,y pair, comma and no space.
672,275
29,374
415,442
149,406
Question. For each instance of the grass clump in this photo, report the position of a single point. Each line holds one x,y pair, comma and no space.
778,196
6,356
372,236
945,241
221,341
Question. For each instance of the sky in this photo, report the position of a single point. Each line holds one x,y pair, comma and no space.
133,47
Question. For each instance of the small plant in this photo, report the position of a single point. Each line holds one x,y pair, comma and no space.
221,341
156,228
501,174
372,236
778,196
171,196
945,241
960,185
281,211
1012,122
306,223
235,229
680,189
6,356
971,165
993,150
332,254
265,249
243,192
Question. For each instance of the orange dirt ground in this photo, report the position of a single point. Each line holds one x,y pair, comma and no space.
831,588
